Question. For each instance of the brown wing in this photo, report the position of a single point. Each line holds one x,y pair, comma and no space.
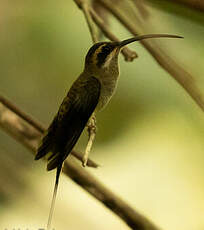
70,121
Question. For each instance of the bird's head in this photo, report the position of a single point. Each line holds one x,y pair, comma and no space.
101,55
104,55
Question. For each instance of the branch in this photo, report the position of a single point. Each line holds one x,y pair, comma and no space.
93,32
26,132
195,4
127,53
166,62
140,5
40,128
91,18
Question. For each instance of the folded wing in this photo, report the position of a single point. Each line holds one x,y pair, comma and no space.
70,121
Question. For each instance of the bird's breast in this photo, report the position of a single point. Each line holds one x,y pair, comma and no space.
108,86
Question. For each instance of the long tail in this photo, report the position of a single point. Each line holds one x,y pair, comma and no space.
54,196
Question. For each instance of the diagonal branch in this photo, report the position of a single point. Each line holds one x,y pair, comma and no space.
140,5
127,53
91,18
27,134
39,127
195,4
165,61
91,25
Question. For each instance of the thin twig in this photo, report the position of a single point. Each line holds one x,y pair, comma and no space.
195,4
140,5
21,113
29,136
91,16
90,23
83,5
79,156
39,127
128,53
166,62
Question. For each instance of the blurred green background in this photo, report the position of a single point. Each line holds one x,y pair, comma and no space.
150,136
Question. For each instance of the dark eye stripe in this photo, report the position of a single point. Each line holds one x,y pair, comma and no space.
93,49
101,57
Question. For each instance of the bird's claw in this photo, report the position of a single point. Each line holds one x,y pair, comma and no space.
92,132
84,161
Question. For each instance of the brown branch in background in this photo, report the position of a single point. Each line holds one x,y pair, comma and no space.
100,11
83,5
28,131
91,25
166,62
40,128
25,131
140,5
22,114
128,54
195,4
132,218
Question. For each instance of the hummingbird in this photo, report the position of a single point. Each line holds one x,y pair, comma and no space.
90,93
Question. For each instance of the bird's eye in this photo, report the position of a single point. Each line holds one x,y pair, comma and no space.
106,49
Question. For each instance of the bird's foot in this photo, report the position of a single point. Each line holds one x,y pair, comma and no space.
87,151
84,160
92,132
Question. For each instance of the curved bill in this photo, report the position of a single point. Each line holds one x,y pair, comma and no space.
147,36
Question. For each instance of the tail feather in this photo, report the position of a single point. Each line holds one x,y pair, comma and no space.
54,196
54,160
47,141
44,148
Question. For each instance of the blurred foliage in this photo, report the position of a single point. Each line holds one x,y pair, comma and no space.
178,9
150,136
